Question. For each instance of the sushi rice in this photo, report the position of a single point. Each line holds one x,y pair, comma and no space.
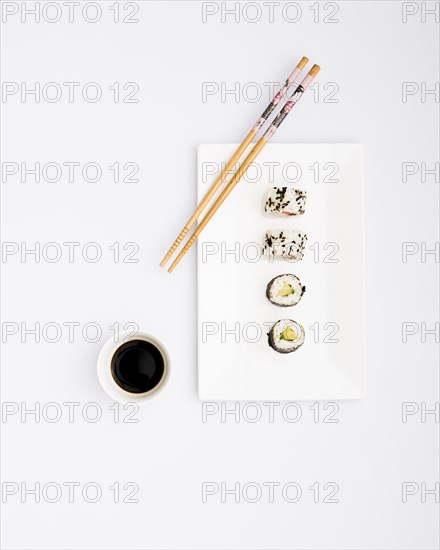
285,201
285,243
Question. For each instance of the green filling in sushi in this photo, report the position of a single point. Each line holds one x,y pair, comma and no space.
286,290
288,334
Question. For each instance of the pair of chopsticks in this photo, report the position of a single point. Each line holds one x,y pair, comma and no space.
295,97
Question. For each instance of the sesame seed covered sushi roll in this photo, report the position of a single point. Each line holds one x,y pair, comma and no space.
284,243
285,290
285,201
286,336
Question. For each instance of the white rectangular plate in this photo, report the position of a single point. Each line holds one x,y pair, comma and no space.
235,361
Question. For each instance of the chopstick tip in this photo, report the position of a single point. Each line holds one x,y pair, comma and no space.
303,63
314,70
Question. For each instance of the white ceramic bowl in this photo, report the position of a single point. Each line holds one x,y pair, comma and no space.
104,366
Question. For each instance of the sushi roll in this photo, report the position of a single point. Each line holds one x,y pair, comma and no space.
282,243
285,201
286,336
285,290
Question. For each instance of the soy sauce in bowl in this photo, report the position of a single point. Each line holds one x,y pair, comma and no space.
138,366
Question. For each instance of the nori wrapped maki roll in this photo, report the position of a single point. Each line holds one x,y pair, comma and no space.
286,336
285,290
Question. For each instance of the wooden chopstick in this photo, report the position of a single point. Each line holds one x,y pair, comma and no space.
234,159
248,161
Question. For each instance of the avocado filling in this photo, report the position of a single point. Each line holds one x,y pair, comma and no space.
286,290
288,334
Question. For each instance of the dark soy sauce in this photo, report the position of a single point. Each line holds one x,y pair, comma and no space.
137,366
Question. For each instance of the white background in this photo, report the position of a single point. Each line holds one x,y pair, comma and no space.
171,452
